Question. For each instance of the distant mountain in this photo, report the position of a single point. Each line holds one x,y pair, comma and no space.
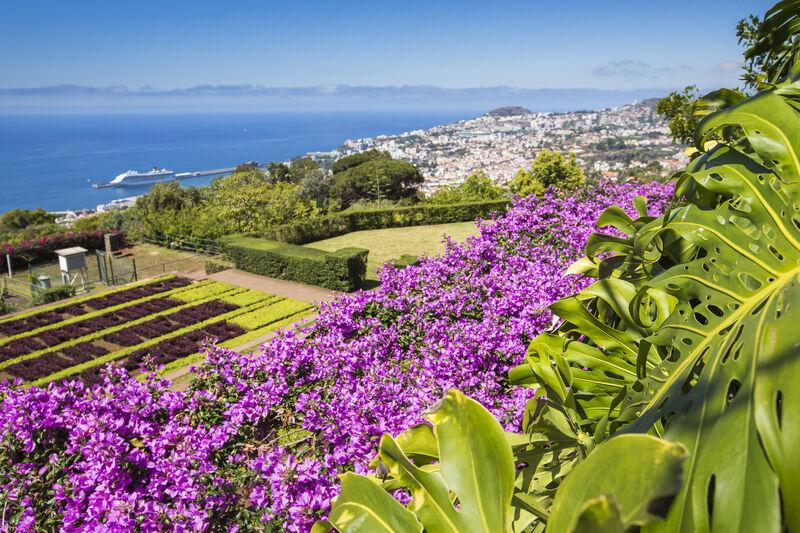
319,97
508,111
650,102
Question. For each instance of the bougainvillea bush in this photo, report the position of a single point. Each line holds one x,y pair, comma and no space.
258,441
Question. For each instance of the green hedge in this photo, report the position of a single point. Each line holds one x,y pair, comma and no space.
317,229
54,294
212,267
406,260
342,270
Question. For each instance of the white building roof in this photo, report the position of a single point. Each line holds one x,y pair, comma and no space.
75,250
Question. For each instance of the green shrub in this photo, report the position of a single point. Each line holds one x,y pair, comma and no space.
342,270
317,229
46,296
212,266
406,260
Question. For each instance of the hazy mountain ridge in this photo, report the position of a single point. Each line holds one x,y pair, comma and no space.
326,97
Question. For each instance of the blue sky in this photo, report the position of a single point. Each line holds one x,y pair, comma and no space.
610,44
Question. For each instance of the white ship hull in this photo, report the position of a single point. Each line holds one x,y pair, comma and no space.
133,178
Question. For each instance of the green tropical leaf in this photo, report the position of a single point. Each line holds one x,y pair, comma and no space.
627,480
364,507
691,323
600,515
469,489
722,386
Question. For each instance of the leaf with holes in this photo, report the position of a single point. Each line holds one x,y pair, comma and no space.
725,387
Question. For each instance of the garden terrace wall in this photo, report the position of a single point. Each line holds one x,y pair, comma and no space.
321,228
342,270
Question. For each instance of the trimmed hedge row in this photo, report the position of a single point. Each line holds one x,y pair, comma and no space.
406,260
213,266
317,229
342,270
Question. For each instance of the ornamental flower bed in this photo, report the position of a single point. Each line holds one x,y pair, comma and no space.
53,316
52,362
257,441
62,334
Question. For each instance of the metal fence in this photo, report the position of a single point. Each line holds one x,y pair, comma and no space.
22,290
187,244
15,294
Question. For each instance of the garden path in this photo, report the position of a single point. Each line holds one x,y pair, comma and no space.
287,289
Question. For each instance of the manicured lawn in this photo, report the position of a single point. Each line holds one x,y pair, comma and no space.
389,244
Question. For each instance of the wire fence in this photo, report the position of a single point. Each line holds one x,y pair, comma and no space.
22,290
187,244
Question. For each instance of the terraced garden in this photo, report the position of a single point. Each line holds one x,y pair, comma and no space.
167,319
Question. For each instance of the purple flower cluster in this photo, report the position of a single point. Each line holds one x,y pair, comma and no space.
257,441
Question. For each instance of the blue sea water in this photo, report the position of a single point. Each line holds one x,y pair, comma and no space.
50,161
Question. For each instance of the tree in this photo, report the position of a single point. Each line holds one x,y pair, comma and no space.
101,221
477,186
549,169
678,109
316,186
159,209
278,172
245,167
246,203
772,45
350,161
300,168
377,179
525,184
18,219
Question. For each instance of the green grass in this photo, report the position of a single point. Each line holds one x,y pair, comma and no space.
389,244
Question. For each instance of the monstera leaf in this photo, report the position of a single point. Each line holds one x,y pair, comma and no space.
469,489
690,332
627,481
731,348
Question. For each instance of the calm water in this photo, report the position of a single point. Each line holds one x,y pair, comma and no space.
49,160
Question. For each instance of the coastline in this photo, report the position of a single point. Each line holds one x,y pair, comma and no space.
49,161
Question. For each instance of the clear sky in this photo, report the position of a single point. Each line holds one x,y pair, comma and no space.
609,44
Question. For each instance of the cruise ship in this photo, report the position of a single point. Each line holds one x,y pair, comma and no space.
134,177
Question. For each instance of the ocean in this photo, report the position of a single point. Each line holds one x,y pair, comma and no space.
50,161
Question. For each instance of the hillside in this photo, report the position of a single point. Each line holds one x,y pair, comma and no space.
508,111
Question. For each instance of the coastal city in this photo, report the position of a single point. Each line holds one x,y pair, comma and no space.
613,143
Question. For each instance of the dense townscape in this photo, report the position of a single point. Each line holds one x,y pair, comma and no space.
613,143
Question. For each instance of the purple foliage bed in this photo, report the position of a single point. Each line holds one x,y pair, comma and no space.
257,441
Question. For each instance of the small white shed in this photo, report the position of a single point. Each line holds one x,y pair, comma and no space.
72,263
